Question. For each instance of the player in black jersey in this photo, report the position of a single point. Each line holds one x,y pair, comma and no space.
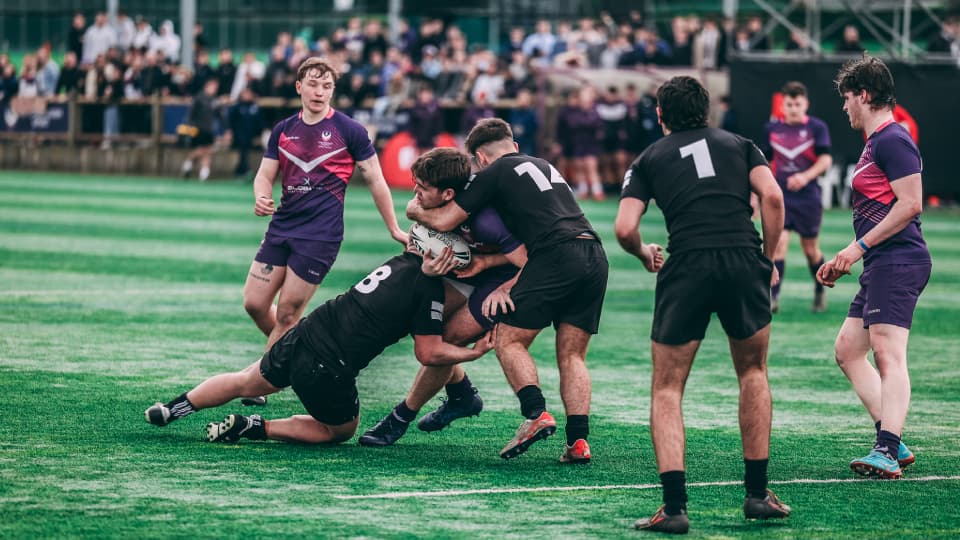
563,282
701,179
321,356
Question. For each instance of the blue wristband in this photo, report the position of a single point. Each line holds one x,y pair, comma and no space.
863,245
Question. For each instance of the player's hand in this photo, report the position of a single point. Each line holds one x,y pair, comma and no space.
796,182
774,276
827,274
400,236
264,205
477,264
497,302
440,265
652,257
847,257
485,343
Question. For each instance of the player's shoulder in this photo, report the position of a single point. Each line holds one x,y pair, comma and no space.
343,120
816,123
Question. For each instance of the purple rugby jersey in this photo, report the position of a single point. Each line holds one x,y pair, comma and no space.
889,154
795,148
316,163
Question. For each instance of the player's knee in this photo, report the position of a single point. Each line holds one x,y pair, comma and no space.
287,318
255,308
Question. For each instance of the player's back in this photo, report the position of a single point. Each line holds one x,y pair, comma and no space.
533,199
394,300
700,179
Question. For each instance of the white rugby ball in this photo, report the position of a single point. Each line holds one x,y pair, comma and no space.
427,240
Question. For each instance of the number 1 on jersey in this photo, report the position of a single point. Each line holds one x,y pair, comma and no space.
701,158
538,177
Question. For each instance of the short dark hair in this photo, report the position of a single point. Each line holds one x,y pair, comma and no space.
443,168
794,89
316,64
684,104
870,74
487,131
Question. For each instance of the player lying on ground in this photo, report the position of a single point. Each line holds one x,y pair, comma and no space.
321,356
474,295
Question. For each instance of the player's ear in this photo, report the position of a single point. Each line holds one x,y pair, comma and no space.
297,86
447,195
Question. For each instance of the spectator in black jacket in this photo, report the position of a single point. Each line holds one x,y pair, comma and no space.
246,123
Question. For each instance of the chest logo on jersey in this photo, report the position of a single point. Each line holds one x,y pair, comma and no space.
326,135
309,166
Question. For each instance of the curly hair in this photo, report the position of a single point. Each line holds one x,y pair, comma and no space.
445,168
870,74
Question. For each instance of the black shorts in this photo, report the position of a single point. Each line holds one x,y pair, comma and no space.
733,283
203,138
327,390
564,283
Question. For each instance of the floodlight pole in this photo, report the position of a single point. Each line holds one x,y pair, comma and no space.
393,19
188,19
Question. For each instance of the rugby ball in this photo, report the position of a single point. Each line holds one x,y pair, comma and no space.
427,240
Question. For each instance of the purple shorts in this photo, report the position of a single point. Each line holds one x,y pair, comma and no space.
309,259
889,293
803,214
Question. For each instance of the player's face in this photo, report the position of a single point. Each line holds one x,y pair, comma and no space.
854,108
795,109
430,196
316,91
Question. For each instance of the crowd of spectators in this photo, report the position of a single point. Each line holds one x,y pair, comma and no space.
128,59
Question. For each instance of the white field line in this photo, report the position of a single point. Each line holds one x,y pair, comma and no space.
165,291
497,491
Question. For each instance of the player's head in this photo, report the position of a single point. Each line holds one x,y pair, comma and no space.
438,175
489,139
795,102
683,103
866,85
315,82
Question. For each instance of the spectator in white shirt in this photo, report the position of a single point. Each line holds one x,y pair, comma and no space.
166,43
143,35
98,39
249,74
541,43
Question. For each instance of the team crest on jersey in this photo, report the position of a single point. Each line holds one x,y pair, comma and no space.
803,133
326,135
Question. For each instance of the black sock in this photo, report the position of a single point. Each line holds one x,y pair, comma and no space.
888,443
813,272
578,427
781,266
532,403
674,491
877,425
404,413
459,390
755,477
257,430
180,406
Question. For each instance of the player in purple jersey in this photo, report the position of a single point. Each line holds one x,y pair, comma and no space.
322,355
799,148
314,153
887,201
473,297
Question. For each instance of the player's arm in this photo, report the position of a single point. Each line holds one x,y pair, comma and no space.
263,203
627,229
907,205
431,350
373,176
443,218
798,181
765,186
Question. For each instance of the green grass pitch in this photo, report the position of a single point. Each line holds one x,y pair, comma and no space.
117,292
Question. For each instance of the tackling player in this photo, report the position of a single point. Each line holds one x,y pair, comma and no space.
321,356
563,282
475,296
